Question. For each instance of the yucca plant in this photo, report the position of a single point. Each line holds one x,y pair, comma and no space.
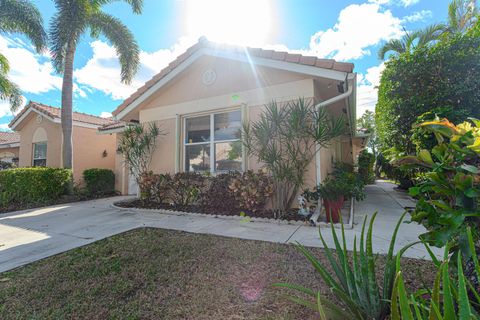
452,295
354,280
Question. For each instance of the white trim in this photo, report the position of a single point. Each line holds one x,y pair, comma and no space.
54,120
23,116
10,145
276,64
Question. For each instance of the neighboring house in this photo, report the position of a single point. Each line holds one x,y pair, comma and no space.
9,147
201,99
40,130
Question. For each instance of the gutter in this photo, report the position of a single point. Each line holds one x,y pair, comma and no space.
318,161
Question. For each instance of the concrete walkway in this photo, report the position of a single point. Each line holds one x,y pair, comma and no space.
30,235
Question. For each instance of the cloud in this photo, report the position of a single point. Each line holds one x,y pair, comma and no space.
105,114
367,89
359,27
403,3
102,71
418,16
5,108
4,127
32,72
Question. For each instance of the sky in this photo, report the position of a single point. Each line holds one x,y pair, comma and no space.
350,31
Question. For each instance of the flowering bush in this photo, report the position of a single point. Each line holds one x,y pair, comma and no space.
449,193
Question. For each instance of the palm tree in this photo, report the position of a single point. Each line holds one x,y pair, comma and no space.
462,14
18,16
72,19
412,40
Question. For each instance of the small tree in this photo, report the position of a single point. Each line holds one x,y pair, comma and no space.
286,139
137,145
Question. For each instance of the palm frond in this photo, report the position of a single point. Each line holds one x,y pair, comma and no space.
394,45
22,16
430,33
11,92
4,64
137,5
123,41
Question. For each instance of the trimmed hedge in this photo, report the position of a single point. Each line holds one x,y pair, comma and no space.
99,181
366,160
24,186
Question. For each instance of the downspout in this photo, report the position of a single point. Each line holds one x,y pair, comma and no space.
178,124
318,160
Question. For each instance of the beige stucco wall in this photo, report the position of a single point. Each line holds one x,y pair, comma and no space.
88,146
54,142
236,86
88,151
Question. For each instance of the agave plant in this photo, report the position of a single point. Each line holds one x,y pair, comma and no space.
354,280
449,298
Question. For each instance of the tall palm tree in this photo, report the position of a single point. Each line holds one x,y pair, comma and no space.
412,40
462,14
23,17
72,19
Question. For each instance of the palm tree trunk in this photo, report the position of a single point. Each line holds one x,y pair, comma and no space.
67,102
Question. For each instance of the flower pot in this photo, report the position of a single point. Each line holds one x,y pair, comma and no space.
333,209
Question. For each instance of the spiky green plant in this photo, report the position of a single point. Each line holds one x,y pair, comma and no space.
137,144
354,279
285,139
448,299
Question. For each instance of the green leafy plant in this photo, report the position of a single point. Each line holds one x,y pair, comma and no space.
285,139
219,196
155,188
353,281
252,189
137,144
99,182
449,193
366,161
186,188
25,186
452,295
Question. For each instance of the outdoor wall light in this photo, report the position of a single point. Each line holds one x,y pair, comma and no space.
104,153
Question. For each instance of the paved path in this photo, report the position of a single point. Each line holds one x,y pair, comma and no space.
30,235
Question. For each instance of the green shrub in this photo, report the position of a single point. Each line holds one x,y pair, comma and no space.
187,188
24,186
252,189
155,188
366,161
99,181
439,80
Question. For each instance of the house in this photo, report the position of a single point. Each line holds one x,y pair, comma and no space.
201,99
9,147
40,130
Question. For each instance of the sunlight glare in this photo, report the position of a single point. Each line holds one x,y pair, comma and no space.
240,22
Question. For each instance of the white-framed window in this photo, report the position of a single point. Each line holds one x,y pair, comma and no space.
39,154
212,142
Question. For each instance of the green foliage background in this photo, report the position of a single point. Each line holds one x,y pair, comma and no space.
439,80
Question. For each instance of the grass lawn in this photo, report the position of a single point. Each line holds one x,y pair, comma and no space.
161,274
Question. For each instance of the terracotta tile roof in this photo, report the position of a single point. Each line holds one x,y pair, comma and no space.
112,126
55,113
255,52
9,137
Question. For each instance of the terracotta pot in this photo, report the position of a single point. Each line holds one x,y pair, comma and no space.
333,209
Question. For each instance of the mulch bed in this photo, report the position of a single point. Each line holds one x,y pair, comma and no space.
292,215
164,274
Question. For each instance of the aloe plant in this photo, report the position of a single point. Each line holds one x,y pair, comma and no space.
448,299
354,279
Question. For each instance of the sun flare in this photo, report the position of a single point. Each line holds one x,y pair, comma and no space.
240,22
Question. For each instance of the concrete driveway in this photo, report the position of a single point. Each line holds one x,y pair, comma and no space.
30,235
